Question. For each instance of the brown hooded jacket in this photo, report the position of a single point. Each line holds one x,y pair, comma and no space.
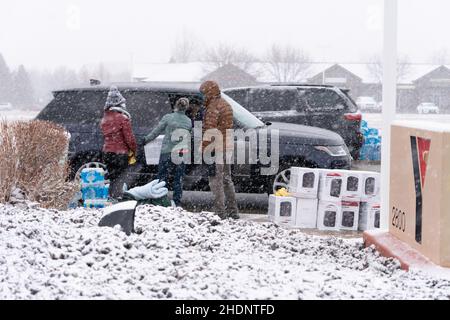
218,115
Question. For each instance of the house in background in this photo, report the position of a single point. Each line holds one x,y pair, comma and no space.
230,76
342,77
434,86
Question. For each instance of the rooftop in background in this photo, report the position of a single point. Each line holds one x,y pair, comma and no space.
169,72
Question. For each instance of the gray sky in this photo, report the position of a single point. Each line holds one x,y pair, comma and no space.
50,33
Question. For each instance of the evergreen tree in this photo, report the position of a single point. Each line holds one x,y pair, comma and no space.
5,81
63,77
23,89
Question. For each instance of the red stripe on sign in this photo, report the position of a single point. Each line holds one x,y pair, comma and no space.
334,175
350,204
424,149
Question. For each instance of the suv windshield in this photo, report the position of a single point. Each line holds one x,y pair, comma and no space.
243,116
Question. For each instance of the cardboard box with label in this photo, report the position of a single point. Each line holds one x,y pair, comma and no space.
330,185
369,215
304,182
282,210
329,215
420,187
350,214
352,184
370,185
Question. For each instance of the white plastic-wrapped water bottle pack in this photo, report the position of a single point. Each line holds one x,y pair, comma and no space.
94,188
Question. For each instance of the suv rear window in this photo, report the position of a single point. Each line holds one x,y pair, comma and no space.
322,99
86,107
273,100
83,107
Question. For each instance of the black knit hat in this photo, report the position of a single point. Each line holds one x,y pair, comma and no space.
182,104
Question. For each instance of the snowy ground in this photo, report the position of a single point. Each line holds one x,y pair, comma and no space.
181,255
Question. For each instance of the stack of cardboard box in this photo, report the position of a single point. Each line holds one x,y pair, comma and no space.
304,186
369,212
329,200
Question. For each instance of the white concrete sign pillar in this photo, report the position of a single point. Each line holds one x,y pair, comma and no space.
389,100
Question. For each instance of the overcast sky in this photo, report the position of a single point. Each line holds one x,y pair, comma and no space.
50,33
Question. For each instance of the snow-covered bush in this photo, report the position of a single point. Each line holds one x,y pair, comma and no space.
8,161
33,159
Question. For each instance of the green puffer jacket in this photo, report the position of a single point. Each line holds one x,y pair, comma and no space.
168,124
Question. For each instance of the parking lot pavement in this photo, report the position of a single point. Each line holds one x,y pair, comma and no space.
366,166
197,201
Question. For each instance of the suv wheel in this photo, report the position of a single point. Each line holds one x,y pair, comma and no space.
90,165
281,180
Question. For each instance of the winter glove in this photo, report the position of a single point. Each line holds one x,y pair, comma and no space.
153,190
131,158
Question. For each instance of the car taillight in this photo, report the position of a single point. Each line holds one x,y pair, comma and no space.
353,116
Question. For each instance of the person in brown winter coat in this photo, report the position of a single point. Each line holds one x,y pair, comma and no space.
219,115
119,141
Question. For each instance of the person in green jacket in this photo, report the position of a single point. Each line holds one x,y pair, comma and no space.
179,122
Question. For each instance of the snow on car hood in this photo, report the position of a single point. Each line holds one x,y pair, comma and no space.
298,134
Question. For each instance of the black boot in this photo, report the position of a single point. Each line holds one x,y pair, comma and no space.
223,215
234,216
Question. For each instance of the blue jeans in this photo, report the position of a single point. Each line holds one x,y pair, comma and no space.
166,167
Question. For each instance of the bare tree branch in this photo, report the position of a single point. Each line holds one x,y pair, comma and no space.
223,54
440,57
375,67
287,63
184,48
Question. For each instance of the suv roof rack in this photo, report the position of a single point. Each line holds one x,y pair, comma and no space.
293,84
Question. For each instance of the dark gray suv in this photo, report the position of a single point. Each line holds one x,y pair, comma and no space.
319,106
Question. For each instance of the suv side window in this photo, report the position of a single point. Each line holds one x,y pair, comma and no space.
147,108
273,100
239,95
82,107
324,100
